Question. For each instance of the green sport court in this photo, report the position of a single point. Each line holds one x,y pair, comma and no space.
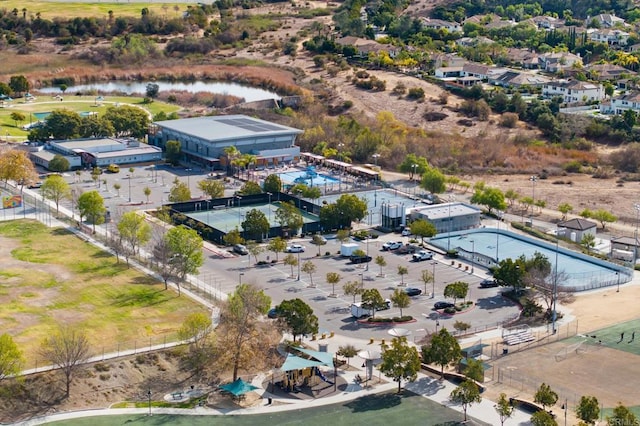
380,409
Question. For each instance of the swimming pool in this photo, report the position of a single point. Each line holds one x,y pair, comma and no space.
291,178
43,115
488,246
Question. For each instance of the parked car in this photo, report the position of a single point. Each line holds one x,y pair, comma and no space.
240,249
443,305
413,291
35,185
359,259
319,238
392,245
295,248
113,168
406,232
422,255
488,283
407,249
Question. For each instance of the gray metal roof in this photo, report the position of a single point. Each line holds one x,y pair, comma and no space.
225,127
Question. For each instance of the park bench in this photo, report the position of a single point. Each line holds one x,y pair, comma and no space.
176,395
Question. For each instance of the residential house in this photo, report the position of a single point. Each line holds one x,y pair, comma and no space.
448,72
546,22
519,79
365,46
606,72
474,69
619,104
612,37
576,229
473,41
558,61
606,20
439,24
523,57
573,91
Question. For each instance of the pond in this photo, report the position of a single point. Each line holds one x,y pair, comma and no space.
249,93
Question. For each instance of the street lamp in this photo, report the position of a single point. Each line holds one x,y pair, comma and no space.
433,279
361,280
414,167
533,180
240,278
555,290
452,198
375,159
149,396
269,194
473,254
298,266
437,325
188,178
129,176
366,265
618,280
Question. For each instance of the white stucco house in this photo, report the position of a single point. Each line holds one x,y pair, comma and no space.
573,91
612,37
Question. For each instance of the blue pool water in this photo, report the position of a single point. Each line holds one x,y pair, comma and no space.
291,178
579,271
43,115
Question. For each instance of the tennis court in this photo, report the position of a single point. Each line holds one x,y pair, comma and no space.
227,218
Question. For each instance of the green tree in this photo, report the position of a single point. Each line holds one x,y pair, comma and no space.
272,183
400,299
91,206
292,261
543,418
233,237
381,262
588,410
63,124
622,416
443,350
510,273
11,358
128,120
289,217
185,247
147,193
433,180
277,245
504,408
373,300
17,117
400,361
343,235
196,329
152,90
588,241
474,370
309,267
15,165
545,396
512,196
212,188
298,316
333,278
19,84
55,188
179,192
347,209
255,224
465,394
135,232
413,164
456,290
427,277
240,341
603,217
352,288
490,197
250,188
347,351
402,271
319,241
254,249
173,152
59,164
66,348
565,209
423,228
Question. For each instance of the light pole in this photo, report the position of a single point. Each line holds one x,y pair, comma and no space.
433,279
555,290
618,281
366,265
361,280
129,176
240,278
298,267
188,178
473,254
437,325
269,194
533,180
149,396
375,159
452,198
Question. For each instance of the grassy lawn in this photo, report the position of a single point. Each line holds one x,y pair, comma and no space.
90,9
45,103
69,281
381,409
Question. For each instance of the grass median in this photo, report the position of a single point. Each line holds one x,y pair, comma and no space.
49,276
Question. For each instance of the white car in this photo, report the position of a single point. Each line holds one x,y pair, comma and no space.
406,232
392,245
295,248
422,255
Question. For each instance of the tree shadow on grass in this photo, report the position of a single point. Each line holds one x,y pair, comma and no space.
139,297
61,231
145,280
101,255
375,402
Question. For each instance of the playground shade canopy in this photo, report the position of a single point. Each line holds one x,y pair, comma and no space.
239,387
318,359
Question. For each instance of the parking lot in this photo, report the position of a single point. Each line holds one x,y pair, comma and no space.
280,283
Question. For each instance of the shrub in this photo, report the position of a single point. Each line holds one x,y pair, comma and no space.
101,367
461,326
573,166
450,310
416,93
509,120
